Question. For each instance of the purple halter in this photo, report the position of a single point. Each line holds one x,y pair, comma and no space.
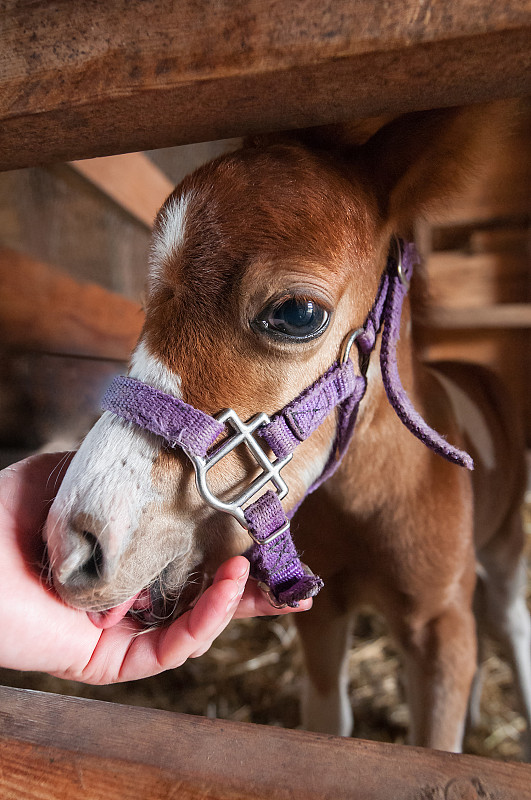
274,560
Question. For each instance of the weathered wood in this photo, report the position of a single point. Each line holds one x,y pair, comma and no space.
43,309
91,79
458,280
505,315
131,180
60,747
57,217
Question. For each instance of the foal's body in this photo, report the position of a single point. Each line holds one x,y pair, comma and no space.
400,529
394,526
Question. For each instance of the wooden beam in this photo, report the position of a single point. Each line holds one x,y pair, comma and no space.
504,315
54,746
459,280
131,180
43,309
89,79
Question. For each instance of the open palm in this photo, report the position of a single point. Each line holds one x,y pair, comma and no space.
40,632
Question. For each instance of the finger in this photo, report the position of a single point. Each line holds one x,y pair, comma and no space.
255,603
125,654
212,613
235,568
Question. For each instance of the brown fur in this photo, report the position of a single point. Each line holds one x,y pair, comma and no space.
395,525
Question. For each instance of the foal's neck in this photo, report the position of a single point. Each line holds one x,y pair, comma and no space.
384,460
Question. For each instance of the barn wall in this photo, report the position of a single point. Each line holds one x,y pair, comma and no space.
479,270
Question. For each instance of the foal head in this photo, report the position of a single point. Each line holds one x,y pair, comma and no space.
261,264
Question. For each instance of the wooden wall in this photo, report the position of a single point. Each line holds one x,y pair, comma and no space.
479,270
71,275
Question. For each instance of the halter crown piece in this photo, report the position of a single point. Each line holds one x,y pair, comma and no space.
274,559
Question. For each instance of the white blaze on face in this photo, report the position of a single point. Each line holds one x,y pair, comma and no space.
110,478
168,235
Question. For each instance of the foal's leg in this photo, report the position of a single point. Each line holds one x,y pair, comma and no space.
440,661
325,635
505,613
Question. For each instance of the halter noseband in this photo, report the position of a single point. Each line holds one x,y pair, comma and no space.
274,560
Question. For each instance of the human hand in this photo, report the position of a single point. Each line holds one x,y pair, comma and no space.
40,632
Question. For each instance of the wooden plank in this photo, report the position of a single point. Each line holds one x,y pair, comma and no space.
89,79
504,315
461,281
131,180
46,310
62,747
57,217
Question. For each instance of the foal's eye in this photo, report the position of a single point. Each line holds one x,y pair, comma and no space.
293,318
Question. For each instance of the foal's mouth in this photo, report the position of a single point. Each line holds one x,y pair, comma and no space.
154,606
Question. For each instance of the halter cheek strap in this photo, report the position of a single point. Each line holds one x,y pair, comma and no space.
274,559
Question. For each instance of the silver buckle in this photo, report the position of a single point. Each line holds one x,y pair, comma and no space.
399,266
270,596
270,469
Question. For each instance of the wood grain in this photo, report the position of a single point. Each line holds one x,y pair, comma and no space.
44,309
458,280
504,315
131,180
60,747
91,79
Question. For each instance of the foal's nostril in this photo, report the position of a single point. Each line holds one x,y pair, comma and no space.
93,566
84,559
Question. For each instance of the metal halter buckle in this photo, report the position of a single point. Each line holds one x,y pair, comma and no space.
270,469
347,344
404,280
270,596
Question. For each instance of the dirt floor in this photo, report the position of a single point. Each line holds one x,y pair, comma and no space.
253,673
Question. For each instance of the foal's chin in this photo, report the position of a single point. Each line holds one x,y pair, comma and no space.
157,602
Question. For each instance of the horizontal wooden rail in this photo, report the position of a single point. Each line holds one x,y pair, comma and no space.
79,80
55,747
504,315
43,309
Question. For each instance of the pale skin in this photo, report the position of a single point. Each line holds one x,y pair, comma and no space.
41,633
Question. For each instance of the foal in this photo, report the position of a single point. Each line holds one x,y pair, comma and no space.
264,264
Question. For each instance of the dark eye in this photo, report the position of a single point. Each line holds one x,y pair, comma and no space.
294,317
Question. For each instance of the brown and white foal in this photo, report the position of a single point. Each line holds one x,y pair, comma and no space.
262,263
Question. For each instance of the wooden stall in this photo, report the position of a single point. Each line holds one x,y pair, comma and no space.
88,80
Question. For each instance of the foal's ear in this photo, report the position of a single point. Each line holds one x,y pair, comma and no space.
420,161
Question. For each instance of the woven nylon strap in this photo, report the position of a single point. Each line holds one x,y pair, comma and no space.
180,424
277,563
